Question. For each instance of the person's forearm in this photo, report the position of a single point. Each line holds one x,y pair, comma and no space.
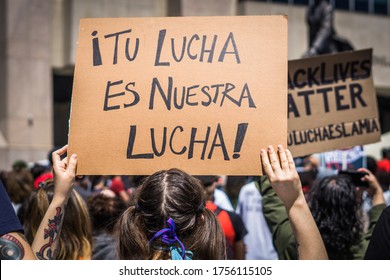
378,197
307,235
278,222
46,240
239,250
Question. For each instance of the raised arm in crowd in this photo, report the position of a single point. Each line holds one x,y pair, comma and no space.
333,203
168,219
280,169
12,241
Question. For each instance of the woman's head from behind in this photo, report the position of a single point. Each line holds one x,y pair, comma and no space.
19,185
334,206
76,233
175,195
104,211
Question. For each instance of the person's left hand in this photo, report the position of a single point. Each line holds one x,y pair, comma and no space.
64,172
282,174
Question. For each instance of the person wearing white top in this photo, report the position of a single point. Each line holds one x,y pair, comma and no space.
259,238
222,200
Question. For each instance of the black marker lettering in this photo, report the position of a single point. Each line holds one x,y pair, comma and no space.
135,94
241,131
356,91
97,58
292,107
107,95
324,92
194,37
128,56
166,98
189,103
130,146
218,135
184,149
116,35
163,145
224,49
161,38
340,98
210,51
182,49
306,95
193,141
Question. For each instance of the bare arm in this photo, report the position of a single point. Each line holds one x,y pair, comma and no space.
281,172
239,250
14,246
46,239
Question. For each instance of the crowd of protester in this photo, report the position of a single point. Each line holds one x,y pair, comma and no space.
157,216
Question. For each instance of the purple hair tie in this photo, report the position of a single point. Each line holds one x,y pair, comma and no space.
168,236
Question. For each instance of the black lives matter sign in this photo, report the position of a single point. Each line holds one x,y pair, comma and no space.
331,103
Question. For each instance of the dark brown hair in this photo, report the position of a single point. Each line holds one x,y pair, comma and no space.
208,188
169,194
104,211
337,214
19,185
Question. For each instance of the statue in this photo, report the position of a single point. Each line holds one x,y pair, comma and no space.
322,35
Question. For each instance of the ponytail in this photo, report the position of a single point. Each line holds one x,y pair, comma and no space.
164,196
132,242
208,238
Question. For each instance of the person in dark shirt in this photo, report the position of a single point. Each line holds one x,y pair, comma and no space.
379,246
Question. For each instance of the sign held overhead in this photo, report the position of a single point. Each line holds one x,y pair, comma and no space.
331,103
202,94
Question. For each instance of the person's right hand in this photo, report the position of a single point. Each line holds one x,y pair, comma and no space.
64,172
375,189
370,179
282,175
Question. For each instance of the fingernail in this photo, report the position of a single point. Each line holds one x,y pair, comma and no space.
262,151
269,148
280,147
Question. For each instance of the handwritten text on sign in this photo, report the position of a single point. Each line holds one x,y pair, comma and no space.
193,93
331,103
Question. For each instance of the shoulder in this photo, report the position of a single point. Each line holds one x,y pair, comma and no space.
14,246
9,222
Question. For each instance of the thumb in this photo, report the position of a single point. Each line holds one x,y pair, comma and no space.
72,164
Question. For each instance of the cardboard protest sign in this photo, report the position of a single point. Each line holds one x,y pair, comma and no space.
202,94
331,103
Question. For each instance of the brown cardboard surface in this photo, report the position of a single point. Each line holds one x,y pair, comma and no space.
120,100
331,103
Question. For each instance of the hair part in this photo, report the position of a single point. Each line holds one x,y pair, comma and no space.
169,194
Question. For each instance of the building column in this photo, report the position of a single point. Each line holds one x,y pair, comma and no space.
25,81
208,8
